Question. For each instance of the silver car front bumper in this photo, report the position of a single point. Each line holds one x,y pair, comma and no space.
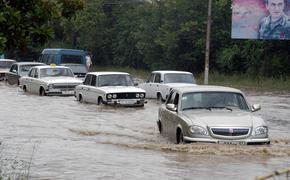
222,141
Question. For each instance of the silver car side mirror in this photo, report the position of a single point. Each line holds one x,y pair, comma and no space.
256,107
171,107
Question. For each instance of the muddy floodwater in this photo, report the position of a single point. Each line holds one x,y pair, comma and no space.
60,138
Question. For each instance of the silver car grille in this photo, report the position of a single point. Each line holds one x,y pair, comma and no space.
230,131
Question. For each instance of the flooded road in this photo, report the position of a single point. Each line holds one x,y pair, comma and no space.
60,138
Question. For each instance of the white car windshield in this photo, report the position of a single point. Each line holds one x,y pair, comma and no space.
178,78
211,100
54,72
6,64
115,80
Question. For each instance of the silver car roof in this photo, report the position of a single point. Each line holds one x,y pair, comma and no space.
206,88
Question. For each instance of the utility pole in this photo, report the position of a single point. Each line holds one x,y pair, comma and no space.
207,50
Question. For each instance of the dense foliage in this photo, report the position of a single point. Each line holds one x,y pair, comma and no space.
161,34
26,24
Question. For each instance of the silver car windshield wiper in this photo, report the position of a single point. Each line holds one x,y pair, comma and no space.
197,108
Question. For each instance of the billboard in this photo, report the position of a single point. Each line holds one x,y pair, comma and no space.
261,19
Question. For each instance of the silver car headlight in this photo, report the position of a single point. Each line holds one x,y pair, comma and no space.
142,95
137,95
114,96
197,130
261,130
50,86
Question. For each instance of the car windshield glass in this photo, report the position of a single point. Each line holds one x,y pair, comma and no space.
54,72
178,78
75,59
115,80
23,70
77,68
213,100
6,64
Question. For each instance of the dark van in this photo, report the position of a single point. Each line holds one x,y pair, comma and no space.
73,58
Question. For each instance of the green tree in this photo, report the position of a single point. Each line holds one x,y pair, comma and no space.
25,23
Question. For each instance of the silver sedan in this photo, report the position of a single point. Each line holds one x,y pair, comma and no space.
211,114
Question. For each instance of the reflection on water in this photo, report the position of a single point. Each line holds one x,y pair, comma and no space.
60,138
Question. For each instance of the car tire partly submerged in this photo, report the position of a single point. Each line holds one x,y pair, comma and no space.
179,137
41,92
80,98
24,88
159,126
100,101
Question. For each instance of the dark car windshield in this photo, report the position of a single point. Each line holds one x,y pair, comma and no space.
178,78
6,64
75,59
54,72
115,80
210,100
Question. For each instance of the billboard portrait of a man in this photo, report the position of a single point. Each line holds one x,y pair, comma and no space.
277,24
261,19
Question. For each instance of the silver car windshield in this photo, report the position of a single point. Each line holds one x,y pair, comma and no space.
178,78
115,80
54,72
211,100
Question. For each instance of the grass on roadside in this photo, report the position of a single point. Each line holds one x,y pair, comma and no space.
249,83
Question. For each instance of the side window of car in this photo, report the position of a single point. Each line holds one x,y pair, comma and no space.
151,78
51,59
157,78
13,68
45,58
31,73
93,81
171,98
36,73
88,80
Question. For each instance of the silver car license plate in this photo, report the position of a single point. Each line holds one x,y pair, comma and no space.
233,142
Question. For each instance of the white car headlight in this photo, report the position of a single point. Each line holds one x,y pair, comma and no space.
114,96
142,95
50,86
198,130
109,96
137,95
261,130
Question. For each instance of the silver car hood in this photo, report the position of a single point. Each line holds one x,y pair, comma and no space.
121,89
61,79
219,117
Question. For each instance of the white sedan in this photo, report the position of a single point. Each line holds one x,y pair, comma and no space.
116,88
160,83
211,114
49,80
